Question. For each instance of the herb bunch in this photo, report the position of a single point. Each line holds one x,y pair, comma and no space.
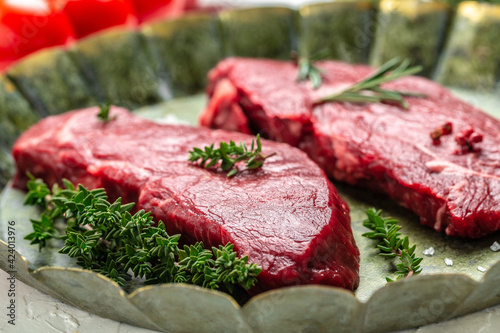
106,238
385,231
229,154
369,90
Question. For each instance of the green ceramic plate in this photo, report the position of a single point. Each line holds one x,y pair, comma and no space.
159,72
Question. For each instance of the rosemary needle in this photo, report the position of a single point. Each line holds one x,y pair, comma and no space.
369,90
308,71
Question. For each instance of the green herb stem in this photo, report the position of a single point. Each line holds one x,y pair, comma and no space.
104,237
229,154
307,69
103,114
369,90
385,231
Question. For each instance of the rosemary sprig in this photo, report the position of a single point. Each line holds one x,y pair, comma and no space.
106,238
385,230
229,154
307,69
369,90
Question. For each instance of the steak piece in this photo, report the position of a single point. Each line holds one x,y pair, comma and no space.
286,216
452,187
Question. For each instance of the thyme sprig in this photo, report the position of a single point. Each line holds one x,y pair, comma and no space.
385,230
103,114
229,154
106,238
40,195
369,90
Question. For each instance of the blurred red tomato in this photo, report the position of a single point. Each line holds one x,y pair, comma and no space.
29,25
147,10
89,16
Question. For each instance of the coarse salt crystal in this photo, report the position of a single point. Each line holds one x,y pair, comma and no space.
481,269
429,252
448,261
495,247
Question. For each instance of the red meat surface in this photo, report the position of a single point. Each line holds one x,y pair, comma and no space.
286,216
452,187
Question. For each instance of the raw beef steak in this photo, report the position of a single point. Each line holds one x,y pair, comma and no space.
453,183
286,216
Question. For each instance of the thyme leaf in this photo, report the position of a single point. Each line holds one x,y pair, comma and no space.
369,90
229,154
106,238
385,231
